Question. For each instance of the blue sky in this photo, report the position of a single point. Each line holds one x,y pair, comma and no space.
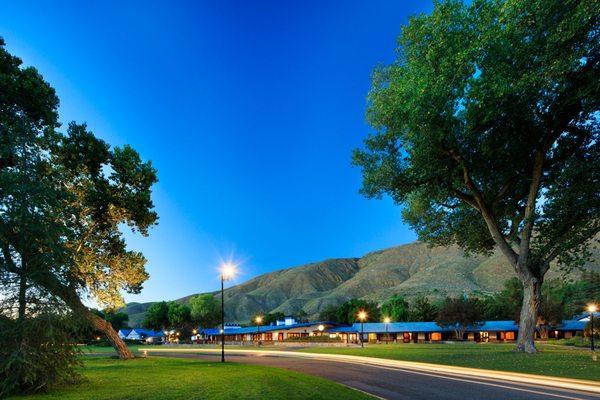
249,111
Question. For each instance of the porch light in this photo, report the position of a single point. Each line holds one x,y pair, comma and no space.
321,328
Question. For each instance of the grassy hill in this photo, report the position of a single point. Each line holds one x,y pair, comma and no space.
412,269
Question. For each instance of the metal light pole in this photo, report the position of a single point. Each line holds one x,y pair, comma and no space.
386,321
258,321
222,319
592,309
227,272
362,315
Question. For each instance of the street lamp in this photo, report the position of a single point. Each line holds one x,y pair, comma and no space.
592,308
362,316
386,321
258,321
227,272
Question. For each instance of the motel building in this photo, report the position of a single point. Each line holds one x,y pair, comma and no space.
289,330
420,332
285,330
427,332
394,332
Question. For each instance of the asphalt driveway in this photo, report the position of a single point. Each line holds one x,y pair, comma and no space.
397,383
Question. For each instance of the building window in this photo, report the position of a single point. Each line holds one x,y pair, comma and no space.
436,336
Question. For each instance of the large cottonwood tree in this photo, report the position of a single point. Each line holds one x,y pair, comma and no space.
487,132
64,198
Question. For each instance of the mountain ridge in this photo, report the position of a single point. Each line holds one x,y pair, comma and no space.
410,269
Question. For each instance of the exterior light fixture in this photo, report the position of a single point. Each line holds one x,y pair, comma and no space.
592,308
321,328
362,316
258,320
386,321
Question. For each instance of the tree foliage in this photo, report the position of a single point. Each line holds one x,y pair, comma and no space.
459,314
205,310
347,313
488,133
421,310
64,197
396,308
48,357
157,316
179,314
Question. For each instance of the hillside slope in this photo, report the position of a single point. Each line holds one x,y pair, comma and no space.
412,269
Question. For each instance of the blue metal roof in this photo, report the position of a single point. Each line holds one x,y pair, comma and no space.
263,328
572,325
142,331
586,315
396,327
496,326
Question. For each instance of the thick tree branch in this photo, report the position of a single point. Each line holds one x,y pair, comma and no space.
529,216
487,214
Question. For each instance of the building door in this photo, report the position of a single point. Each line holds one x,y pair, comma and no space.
280,337
406,337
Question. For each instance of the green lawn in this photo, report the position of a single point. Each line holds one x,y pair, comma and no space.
170,378
551,360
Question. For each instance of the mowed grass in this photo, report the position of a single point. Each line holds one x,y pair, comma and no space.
171,378
550,360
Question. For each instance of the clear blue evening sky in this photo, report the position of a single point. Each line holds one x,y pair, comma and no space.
249,110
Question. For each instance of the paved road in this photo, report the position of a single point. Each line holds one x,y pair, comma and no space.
396,383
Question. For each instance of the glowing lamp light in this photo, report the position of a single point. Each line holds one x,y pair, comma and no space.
387,320
228,271
258,319
362,315
321,328
194,331
592,308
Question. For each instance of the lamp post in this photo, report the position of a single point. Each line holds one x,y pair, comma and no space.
258,321
227,272
592,309
386,321
362,315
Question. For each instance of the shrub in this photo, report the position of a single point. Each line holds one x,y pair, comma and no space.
36,353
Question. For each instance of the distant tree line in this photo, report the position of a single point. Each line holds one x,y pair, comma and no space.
559,301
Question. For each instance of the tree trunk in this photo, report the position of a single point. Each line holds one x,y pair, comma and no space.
71,298
529,314
113,337
22,294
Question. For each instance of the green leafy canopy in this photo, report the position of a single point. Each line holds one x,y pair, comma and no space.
487,128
